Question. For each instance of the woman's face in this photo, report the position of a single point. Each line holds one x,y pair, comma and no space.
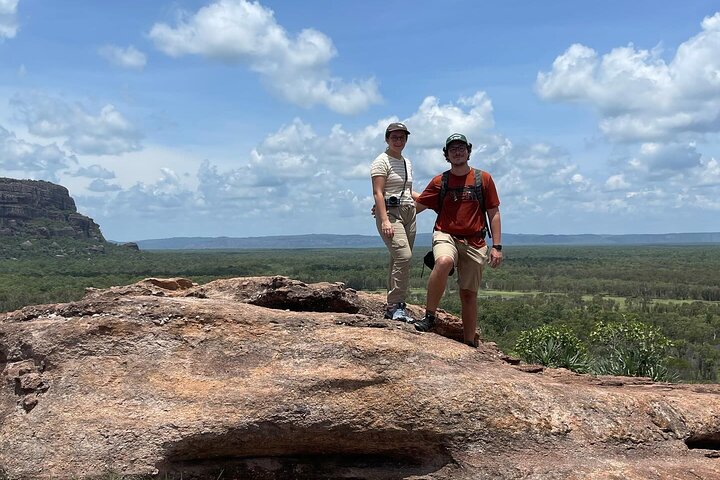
397,140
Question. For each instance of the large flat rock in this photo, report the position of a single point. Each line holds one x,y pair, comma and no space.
269,378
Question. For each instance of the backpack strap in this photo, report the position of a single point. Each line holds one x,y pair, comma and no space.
443,189
481,198
479,189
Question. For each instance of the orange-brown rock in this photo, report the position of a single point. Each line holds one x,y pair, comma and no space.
269,378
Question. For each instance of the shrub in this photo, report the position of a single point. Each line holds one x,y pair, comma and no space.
630,348
552,346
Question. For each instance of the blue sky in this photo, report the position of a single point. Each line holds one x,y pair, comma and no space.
236,118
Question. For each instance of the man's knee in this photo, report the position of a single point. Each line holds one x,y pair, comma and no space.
468,295
444,263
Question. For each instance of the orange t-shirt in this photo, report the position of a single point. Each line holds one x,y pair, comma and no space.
461,215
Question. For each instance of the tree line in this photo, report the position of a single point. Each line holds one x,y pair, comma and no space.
672,288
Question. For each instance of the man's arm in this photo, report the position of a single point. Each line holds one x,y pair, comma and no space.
428,196
496,256
419,207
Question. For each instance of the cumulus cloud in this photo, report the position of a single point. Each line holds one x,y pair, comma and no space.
298,151
30,159
302,179
167,194
242,32
298,168
101,185
616,182
94,171
433,122
106,132
129,57
640,96
8,18
656,160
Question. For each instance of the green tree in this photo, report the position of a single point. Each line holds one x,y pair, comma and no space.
630,348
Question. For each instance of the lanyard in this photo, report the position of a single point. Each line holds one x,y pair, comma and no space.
406,177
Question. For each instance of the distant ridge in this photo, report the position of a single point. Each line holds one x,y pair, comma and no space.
370,241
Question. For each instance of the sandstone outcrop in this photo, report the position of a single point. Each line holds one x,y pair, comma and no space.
42,209
269,378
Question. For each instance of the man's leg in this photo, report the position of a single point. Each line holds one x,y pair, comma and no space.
445,254
471,263
468,305
437,282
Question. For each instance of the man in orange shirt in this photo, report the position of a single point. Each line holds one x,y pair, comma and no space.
459,234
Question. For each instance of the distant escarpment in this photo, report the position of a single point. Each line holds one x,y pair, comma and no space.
40,218
42,209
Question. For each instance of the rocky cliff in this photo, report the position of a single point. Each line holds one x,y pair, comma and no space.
40,209
270,378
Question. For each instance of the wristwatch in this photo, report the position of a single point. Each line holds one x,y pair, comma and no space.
497,247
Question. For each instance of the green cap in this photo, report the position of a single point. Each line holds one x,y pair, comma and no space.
456,137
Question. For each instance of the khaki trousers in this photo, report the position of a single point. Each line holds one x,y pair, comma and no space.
400,247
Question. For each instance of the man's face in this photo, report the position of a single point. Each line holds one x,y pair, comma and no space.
457,153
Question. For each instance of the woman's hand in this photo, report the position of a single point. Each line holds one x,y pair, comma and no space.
387,229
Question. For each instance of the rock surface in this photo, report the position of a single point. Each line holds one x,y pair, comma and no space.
42,209
269,378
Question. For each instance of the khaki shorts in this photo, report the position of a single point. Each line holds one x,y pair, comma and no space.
469,261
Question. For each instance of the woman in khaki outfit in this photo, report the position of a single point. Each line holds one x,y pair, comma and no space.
395,215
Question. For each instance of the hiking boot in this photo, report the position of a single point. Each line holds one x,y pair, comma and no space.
401,315
426,323
390,310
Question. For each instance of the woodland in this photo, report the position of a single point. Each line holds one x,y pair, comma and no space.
663,300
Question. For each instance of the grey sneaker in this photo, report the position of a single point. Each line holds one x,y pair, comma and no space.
401,314
426,323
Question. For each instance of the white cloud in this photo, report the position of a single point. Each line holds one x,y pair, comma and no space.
640,96
166,196
94,171
129,57
300,179
242,32
616,182
298,151
657,159
709,174
8,18
24,159
106,133
433,123
100,185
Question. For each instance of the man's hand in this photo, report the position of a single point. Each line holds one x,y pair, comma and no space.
496,258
